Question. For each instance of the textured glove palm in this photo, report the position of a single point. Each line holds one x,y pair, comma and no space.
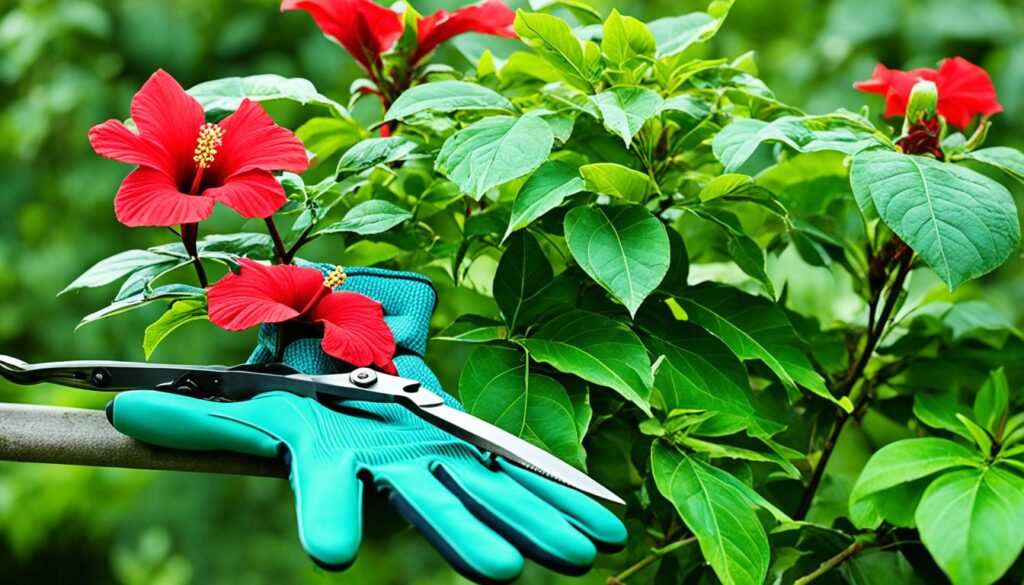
482,516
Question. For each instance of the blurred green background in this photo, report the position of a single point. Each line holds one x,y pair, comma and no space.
66,65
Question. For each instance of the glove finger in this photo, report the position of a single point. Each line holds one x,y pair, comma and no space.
181,422
537,529
587,515
469,546
328,507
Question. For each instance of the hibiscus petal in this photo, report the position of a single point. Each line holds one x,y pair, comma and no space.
262,294
149,197
491,17
253,141
354,330
114,140
252,194
366,29
165,114
879,82
895,85
965,90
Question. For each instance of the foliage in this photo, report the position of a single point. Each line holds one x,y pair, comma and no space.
631,236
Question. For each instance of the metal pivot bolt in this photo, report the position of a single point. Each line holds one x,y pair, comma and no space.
364,377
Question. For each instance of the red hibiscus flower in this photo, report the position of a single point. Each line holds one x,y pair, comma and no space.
367,29
186,164
491,17
354,328
965,90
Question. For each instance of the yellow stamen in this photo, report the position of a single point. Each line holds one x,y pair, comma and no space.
336,278
210,137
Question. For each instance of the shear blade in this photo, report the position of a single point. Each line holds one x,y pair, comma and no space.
491,438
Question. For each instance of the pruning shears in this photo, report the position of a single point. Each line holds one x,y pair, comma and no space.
249,380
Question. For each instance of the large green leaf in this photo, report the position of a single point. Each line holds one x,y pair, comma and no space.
1009,160
369,217
446,96
222,96
961,222
325,136
375,151
619,181
720,511
910,459
625,39
624,110
623,248
498,387
597,349
521,277
755,329
702,373
553,40
992,401
473,329
178,314
972,523
839,132
170,292
675,34
543,191
116,267
494,151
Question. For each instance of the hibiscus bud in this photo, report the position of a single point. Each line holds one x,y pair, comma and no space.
336,278
924,97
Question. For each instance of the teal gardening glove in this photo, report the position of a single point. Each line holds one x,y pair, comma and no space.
483,516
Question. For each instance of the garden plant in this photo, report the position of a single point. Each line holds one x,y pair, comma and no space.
666,276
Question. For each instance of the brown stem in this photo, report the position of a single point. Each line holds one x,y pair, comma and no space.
832,563
299,243
876,330
275,235
189,236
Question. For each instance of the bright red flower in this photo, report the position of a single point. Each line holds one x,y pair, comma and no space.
186,164
354,327
367,29
965,90
491,17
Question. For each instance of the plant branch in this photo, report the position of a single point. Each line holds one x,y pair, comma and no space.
876,331
832,563
275,235
189,236
299,243
645,562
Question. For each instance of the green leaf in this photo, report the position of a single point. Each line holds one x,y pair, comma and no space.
623,248
545,190
375,151
842,133
445,97
494,151
961,222
114,268
177,314
750,258
1009,160
908,460
521,277
940,411
326,136
583,12
553,40
675,34
616,180
473,329
719,510
992,401
170,292
624,109
498,387
756,329
625,39
369,217
598,349
972,523
980,436
223,96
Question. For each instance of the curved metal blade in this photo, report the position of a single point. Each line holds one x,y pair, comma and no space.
515,450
